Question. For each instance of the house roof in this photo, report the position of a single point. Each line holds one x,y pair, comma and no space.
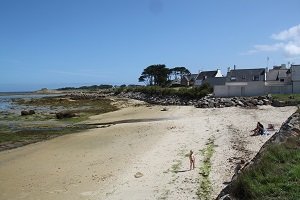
206,74
276,74
190,77
245,74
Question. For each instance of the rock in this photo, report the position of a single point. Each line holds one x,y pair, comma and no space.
260,103
138,175
66,114
164,109
277,103
240,103
25,112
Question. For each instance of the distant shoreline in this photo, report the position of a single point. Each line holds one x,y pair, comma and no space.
16,93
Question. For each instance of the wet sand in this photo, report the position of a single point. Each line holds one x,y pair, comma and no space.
101,163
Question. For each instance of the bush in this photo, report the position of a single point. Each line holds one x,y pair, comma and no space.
183,92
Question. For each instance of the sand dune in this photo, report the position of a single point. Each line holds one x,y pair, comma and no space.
101,163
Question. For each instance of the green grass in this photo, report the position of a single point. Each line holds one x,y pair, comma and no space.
276,176
205,188
288,99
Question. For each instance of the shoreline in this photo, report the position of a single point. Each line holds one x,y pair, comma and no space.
101,163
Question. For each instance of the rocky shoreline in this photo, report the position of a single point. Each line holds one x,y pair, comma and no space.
205,102
290,128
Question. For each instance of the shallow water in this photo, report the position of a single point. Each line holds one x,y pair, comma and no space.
7,105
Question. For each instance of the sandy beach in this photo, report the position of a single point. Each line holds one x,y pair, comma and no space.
102,163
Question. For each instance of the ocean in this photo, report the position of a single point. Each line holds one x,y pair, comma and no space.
7,105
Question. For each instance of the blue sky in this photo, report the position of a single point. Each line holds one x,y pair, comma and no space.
57,43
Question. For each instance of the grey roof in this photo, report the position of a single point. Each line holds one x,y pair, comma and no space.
276,74
206,74
190,76
244,75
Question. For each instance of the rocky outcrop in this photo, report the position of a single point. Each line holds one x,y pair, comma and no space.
290,128
205,102
87,96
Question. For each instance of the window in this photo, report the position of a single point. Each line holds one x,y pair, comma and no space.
243,77
233,78
255,78
281,80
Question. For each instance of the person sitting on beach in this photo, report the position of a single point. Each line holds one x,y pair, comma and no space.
259,130
192,160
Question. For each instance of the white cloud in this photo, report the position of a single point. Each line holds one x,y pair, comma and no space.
292,33
292,49
273,47
289,43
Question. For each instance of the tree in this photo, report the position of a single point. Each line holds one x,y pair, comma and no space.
155,75
179,71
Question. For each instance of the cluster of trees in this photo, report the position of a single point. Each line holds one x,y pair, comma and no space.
160,75
92,87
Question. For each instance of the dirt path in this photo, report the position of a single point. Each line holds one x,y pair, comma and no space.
102,163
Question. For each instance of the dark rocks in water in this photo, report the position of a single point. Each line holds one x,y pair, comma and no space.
25,112
65,114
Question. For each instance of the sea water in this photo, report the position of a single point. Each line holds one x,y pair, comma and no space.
6,99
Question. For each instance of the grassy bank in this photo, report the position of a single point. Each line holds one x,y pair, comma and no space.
275,176
288,99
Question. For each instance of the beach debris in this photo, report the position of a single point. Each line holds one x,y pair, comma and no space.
138,175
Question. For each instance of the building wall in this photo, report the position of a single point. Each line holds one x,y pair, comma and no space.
253,88
296,87
215,81
279,89
295,71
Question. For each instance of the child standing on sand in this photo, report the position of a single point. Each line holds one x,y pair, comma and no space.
192,160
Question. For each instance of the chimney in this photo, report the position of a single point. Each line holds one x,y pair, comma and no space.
234,67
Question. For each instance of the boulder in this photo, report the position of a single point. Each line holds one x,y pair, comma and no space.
31,112
277,103
65,114
25,112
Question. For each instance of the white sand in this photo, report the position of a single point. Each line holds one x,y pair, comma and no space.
101,163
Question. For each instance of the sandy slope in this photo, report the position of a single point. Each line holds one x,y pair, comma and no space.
101,163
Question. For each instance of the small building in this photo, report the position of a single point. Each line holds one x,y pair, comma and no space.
295,76
204,76
278,80
188,80
242,82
